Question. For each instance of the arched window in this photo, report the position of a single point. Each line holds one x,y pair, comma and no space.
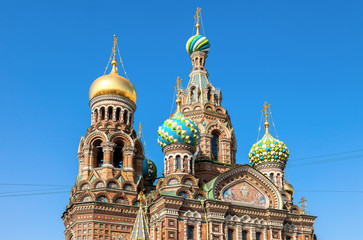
125,117
271,177
118,110
190,232
215,146
110,112
98,153
288,238
244,235
96,115
117,154
102,113
102,199
278,180
178,162
230,234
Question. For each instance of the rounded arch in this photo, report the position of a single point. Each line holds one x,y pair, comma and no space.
129,186
81,184
95,184
197,106
102,194
180,192
80,197
96,135
217,126
120,195
110,183
189,177
198,194
121,135
209,106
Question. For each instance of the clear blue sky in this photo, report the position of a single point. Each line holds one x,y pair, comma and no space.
304,57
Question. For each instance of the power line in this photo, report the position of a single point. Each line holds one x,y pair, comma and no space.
35,190
33,194
326,161
332,191
34,184
327,155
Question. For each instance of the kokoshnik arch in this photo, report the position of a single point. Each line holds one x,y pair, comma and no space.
203,194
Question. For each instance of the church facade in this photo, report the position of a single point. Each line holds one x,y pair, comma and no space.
203,193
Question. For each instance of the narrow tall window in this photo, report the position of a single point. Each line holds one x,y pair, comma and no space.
215,146
288,238
230,234
192,94
125,117
118,110
258,236
102,113
110,113
178,162
272,177
117,155
244,235
190,232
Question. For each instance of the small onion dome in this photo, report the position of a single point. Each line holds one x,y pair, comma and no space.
268,149
148,170
288,188
197,43
113,84
178,129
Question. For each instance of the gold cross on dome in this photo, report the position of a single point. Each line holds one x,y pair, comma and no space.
139,131
196,17
178,81
114,46
302,203
265,107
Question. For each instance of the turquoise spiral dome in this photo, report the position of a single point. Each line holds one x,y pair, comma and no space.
178,129
197,43
268,149
149,170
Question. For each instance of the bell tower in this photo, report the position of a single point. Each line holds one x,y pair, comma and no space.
202,103
112,165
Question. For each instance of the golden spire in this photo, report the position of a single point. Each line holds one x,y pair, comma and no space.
141,197
265,108
303,206
178,101
196,17
114,62
139,131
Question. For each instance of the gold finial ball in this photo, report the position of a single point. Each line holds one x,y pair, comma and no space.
113,84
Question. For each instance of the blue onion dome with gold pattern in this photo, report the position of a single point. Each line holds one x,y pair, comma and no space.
198,43
149,170
178,129
268,149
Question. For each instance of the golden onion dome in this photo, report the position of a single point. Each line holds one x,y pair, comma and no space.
288,188
114,84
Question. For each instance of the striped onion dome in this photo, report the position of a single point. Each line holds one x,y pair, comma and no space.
197,43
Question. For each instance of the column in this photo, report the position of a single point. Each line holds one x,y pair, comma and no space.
129,153
199,231
87,152
114,114
122,115
252,233
185,229
239,231
107,148
265,234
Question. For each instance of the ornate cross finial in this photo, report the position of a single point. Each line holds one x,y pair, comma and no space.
302,204
177,87
114,47
139,131
178,81
196,17
265,108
